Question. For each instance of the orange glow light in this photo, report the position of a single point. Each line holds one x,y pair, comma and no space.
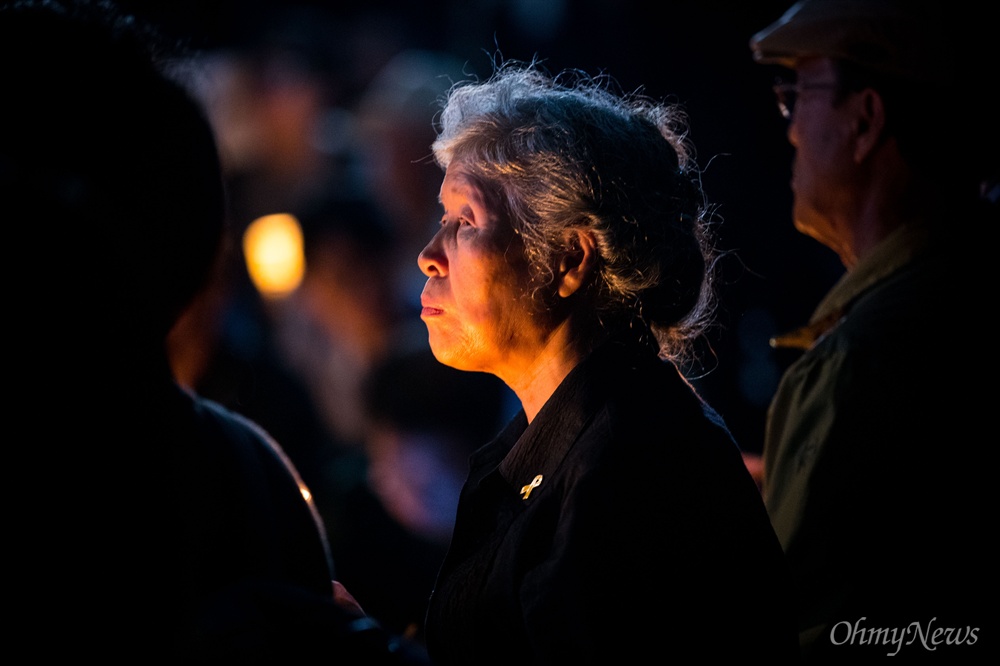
273,249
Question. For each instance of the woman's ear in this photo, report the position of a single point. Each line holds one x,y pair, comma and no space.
577,262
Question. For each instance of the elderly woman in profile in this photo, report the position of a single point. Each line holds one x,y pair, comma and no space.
613,519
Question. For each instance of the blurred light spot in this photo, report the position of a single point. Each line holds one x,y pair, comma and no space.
273,248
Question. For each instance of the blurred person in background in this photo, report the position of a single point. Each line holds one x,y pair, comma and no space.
343,318
394,130
423,421
340,323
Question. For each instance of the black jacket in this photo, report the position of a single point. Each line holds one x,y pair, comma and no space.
620,524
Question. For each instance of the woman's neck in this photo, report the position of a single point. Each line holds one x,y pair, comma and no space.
539,377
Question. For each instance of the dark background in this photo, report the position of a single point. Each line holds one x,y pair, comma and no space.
695,53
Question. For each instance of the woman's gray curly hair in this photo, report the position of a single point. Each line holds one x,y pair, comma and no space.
561,153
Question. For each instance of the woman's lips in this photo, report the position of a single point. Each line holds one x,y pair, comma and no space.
430,312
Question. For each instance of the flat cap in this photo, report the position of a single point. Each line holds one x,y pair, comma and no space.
909,39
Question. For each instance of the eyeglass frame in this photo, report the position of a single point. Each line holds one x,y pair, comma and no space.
787,93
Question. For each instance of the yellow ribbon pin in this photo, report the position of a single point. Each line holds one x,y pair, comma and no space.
526,490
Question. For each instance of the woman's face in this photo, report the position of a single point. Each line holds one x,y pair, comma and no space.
475,303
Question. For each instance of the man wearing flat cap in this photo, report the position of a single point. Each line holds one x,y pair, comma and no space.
875,450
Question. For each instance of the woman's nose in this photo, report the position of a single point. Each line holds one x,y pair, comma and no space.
431,259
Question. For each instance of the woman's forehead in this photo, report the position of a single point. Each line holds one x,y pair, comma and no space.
458,183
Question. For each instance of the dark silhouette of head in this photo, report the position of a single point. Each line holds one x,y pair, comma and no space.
109,172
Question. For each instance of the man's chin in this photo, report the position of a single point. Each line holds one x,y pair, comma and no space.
809,224
822,232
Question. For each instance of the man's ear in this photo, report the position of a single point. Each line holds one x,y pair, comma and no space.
870,123
577,263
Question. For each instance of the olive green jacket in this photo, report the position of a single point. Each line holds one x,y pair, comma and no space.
870,452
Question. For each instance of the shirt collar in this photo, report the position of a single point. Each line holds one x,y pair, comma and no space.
891,254
523,451
547,440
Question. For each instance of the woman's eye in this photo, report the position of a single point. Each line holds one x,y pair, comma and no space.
461,221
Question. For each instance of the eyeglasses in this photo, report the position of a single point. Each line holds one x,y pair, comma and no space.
788,93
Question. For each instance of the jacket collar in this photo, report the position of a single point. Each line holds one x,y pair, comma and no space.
894,252
523,452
